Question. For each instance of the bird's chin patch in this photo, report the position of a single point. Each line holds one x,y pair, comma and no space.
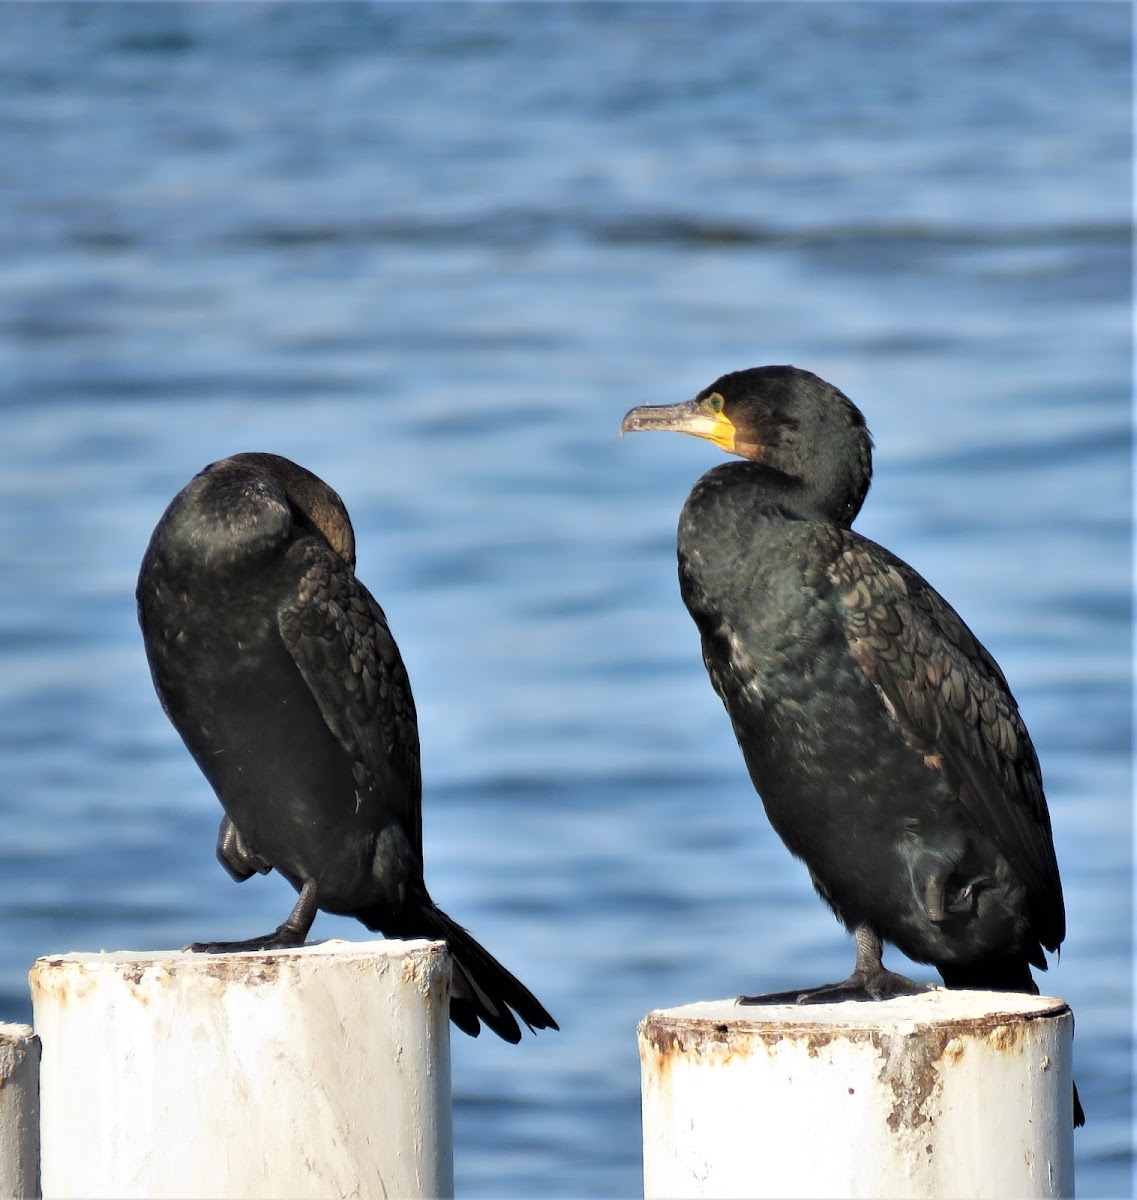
714,427
723,435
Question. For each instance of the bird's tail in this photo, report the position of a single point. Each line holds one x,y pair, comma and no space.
481,989
1000,975
1005,974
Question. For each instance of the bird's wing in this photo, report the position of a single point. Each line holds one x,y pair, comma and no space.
952,704
338,636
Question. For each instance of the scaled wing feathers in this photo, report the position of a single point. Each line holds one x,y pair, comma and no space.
952,703
338,636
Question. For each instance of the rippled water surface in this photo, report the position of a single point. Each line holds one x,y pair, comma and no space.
434,253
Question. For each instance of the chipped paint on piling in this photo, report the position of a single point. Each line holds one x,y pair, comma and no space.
888,1098
19,1112
149,1057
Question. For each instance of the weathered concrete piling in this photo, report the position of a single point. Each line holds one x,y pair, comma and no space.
322,1071
19,1112
946,1094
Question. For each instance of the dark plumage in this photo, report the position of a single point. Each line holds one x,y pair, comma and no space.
882,737
276,666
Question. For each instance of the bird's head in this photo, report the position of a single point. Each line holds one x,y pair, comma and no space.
254,503
786,419
309,497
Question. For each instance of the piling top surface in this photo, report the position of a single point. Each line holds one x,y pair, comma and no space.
171,960
940,1007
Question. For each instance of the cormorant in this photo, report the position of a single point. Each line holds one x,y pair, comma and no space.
277,668
881,736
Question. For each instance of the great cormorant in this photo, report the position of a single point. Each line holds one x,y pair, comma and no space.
277,667
880,734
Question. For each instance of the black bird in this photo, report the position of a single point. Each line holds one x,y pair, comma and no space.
882,737
278,670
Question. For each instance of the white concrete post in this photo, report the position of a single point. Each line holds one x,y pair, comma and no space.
19,1113
322,1071
946,1094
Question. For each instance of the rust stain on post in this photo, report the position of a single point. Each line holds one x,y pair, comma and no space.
64,980
667,1039
912,1057
70,978
1005,1038
421,970
57,977
417,973
668,1036
913,1061
146,979
890,1087
911,1068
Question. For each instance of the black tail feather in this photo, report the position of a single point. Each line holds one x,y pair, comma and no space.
1079,1111
990,975
481,989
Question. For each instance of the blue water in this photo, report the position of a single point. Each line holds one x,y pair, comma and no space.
434,253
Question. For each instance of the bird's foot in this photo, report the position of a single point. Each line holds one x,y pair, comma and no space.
881,985
286,936
282,938
793,997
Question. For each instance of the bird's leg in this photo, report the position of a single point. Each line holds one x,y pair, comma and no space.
869,980
291,933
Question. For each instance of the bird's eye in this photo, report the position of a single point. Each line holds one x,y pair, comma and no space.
715,402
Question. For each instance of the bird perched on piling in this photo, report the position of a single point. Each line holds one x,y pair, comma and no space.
277,668
881,736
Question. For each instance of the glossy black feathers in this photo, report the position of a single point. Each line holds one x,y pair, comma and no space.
952,704
881,736
278,669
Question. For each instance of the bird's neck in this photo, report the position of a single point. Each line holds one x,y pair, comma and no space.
749,492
